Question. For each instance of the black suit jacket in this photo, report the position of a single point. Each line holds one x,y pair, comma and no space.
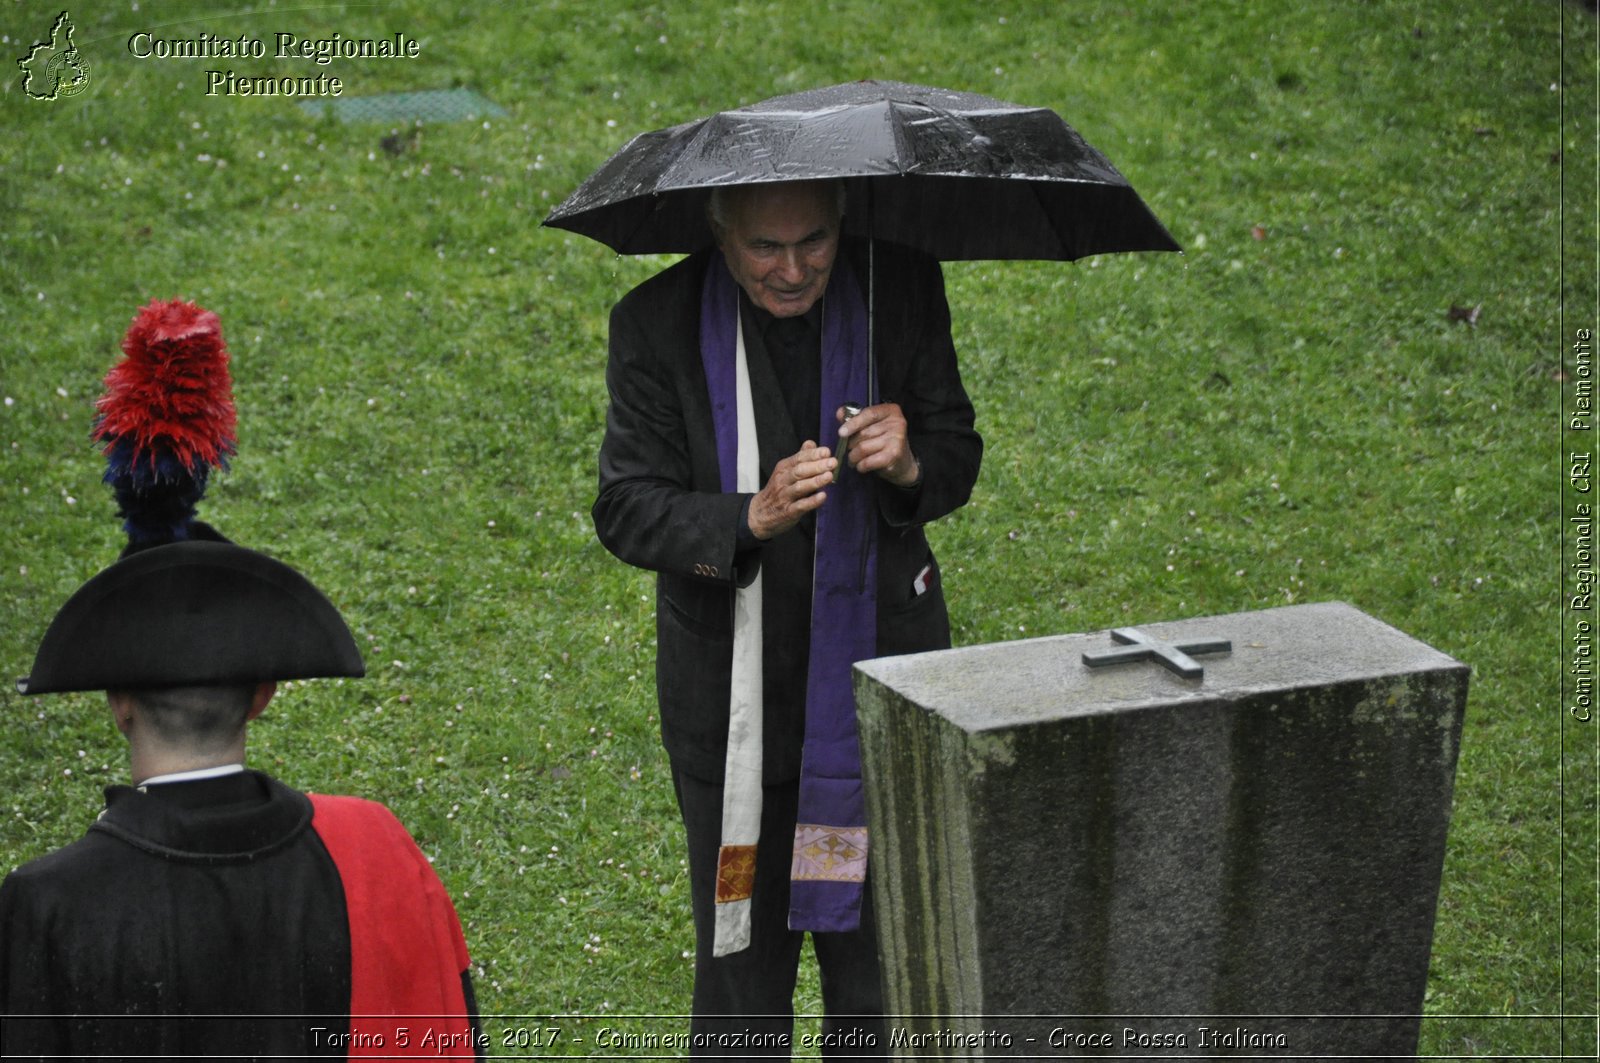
661,506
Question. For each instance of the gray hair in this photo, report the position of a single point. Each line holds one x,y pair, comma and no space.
717,209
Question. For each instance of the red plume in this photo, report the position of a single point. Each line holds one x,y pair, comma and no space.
172,394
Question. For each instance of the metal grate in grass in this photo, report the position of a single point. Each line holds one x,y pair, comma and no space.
429,105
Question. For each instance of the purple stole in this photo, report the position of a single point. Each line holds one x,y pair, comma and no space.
829,865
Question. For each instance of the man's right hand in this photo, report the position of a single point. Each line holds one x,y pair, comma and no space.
793,490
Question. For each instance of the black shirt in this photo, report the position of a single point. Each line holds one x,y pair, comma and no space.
793,346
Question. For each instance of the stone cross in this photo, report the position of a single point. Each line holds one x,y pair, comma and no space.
1118,861
1174,658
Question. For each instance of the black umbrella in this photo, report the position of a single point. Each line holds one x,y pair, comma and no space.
953,174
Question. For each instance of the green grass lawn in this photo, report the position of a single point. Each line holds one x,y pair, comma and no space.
1284,413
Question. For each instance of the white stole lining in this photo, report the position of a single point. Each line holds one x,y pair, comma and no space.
741,788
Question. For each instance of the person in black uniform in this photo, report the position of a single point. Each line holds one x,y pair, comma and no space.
212,910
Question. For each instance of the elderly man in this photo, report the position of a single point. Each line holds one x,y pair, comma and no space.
786,533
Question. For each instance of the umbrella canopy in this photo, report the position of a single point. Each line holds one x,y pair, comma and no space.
953,174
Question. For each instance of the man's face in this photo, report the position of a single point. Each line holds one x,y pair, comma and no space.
780,242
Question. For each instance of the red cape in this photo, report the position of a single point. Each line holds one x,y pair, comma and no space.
407,951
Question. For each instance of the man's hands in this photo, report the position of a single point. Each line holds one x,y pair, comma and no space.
874,440
793,490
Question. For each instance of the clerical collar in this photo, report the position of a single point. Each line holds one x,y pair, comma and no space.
192,776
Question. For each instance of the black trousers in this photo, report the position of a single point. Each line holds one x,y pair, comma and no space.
744,1003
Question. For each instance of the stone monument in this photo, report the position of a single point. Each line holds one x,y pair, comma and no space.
1113,857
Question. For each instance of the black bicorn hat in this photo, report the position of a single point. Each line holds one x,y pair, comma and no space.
194,613
184,606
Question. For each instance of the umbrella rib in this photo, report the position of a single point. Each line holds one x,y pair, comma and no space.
1062,248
